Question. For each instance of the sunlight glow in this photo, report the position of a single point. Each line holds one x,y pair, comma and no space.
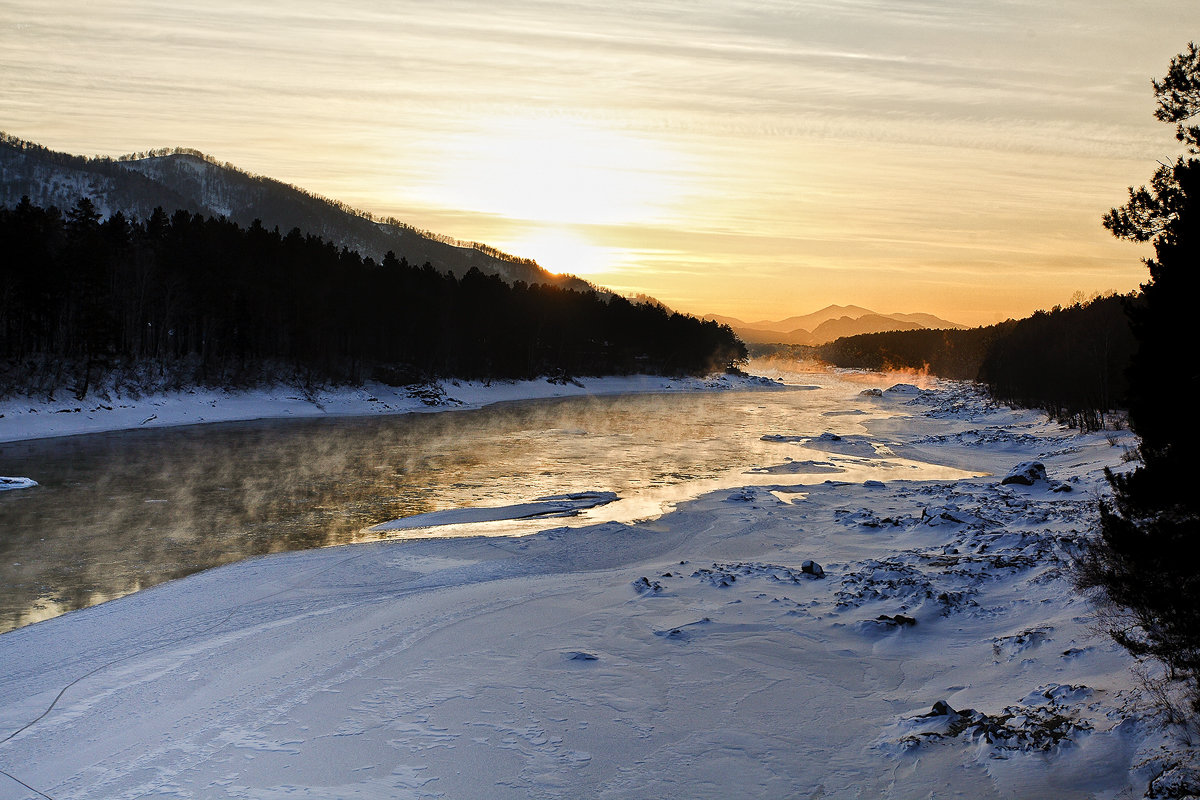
557,170
765,159
561,250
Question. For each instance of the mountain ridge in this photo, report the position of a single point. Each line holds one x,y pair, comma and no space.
829,323
183,178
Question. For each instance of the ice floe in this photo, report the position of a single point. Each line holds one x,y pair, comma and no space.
561,505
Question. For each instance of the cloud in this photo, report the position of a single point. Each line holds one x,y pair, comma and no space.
816,134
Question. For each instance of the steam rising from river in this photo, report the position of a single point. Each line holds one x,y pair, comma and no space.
116,513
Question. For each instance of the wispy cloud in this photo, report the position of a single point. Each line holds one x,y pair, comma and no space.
826,145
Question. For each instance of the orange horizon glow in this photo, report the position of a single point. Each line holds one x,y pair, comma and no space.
750,159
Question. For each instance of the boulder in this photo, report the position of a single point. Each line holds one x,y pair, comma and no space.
1027,473
941,709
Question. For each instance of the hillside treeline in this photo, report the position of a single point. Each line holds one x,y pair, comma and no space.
184,178
113,167
228,299
1069,361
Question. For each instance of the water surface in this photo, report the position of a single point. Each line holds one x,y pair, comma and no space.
118,512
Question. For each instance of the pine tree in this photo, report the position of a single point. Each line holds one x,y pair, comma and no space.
1146,560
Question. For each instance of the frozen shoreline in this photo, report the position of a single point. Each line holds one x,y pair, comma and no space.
25,418
942,652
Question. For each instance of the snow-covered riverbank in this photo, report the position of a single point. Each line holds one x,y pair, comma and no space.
816,639
25,418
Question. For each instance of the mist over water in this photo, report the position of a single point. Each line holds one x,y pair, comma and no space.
119,512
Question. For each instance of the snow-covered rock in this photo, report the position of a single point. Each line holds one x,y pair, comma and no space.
1027,473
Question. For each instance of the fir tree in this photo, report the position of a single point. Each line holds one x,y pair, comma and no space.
1146,560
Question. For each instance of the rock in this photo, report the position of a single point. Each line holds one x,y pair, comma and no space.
644,585
1027,473
1176,781
812,568
942,515
941,709
871,393
899,620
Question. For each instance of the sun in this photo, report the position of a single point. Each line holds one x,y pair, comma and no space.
559,249
558,171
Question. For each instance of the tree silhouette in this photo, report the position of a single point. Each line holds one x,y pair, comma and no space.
1070,361
1144,560
225,305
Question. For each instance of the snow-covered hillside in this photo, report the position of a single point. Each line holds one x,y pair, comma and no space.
201,185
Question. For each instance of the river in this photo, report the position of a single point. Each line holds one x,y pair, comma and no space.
119,512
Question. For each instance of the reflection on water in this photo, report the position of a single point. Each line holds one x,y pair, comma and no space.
119,512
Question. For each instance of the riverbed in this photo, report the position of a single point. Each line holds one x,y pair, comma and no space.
117,512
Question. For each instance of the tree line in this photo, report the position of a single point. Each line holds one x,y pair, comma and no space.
1136,352
133,177
1144,559
95,293
164,152
1070,361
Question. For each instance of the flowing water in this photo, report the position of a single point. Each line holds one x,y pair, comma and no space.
119,512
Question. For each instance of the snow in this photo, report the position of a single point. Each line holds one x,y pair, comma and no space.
1027,473
16,483
890,638
23,418
562,505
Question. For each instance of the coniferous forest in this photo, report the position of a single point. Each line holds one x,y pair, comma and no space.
1144,560
1070,361
1134,352
235,303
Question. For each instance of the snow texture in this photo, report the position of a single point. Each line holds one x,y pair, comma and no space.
562,505
900,639
23,418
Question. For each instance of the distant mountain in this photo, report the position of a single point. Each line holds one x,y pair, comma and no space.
188,179
929,321
831,322
810,322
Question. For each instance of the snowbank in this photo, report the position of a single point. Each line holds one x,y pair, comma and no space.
562,505
891,639
25,418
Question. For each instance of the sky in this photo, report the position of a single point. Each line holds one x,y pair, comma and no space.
750,159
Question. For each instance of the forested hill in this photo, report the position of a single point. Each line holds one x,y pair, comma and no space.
1070,361
87,296
187,179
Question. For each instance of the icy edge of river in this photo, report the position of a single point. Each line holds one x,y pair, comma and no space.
25,418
